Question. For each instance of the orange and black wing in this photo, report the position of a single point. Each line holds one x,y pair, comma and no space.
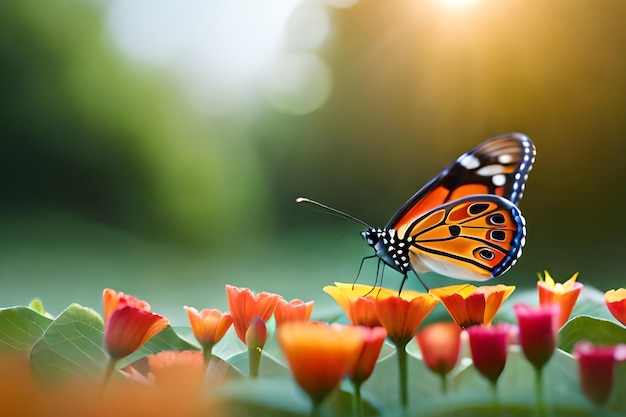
498,166
472,238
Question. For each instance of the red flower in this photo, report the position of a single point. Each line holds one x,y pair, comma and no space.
488,345
596,366
208,325
373,339
469,305
128,323
565,295
245,306
538,329
295,310
319,355
357,301
616,303
440,344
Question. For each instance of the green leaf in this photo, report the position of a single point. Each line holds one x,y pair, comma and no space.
598,331
37,305
71,345
21,328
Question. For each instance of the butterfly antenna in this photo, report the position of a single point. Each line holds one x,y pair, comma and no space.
331,210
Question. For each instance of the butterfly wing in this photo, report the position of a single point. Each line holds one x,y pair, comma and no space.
473,238
498,166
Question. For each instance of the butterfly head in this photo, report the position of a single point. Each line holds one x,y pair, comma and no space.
388,247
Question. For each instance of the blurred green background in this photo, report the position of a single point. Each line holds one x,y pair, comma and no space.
158,147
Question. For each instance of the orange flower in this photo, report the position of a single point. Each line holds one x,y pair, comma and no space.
128,323
209,325
440,344
615,301
469,305
565,295
171,369
245,306
357,301
402,314
295,310
373,339
319,355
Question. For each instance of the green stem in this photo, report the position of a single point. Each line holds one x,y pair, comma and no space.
357,401
444,383
254,360
402,372
542,408
108,371
207,352
496,399
316,406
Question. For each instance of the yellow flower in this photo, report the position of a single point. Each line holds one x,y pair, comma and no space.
469,305
357,301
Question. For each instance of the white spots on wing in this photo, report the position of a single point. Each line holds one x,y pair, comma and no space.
469,161
490,170
506,158
498,180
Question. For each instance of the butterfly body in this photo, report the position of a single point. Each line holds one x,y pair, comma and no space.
464,223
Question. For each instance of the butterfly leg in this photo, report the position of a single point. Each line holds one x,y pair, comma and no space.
420,280
361,267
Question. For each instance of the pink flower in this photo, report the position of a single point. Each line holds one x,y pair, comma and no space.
538,328
488,345
596,367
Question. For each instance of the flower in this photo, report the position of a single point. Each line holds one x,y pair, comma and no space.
319,355
357,301
402,314
469,305
615,301
170,368
208,325
488,345
245,306
256,335
537,331
596,366
295,310
565,295
373,339
128,323
440,344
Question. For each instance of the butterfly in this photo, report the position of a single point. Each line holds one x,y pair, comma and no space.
464,223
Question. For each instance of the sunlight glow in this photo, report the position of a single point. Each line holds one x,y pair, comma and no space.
456,3
224,52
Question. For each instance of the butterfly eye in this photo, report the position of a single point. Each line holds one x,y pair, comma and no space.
497,219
